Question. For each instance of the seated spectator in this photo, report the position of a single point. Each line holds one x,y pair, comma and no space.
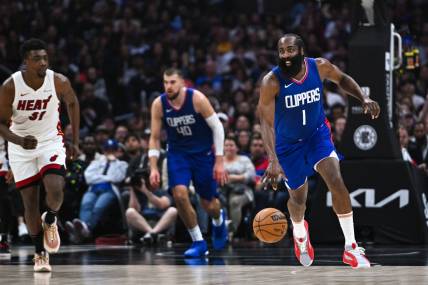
75,186
241,174
243,142
89,150
339,126
418,146
259,160
149,212
403,137
102,176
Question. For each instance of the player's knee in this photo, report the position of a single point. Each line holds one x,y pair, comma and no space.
55,194
181,197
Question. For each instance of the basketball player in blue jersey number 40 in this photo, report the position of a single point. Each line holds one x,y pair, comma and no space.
298,140
192,128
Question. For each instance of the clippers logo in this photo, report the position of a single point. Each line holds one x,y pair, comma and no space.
370,202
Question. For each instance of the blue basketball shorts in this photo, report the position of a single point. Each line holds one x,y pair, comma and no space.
198,167
299,160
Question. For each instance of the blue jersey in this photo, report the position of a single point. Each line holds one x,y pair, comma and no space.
187,130
298,107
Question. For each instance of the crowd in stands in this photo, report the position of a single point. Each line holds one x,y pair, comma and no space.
114,53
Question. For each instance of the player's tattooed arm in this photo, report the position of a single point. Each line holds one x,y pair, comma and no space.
7,95
329,71
68,96
266,111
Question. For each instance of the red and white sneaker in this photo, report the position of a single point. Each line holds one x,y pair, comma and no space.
303,249
355,256
51,239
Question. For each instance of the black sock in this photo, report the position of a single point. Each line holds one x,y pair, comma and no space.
38,242
50,216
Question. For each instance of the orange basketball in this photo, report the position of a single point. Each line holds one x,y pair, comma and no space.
270,225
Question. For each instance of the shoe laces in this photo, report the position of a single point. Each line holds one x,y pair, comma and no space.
51,232
302,245
41,258
358,250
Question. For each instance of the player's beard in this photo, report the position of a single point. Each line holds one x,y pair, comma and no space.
294,68
173,96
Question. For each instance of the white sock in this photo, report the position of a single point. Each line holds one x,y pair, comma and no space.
347,224
299,230
217,222
195,233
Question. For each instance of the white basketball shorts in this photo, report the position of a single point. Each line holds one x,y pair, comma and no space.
29,166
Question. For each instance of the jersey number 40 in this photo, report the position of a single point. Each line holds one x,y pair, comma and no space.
184,130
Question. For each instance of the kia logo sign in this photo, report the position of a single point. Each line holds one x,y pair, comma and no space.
401,195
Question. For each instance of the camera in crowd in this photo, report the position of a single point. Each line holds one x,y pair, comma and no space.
139,175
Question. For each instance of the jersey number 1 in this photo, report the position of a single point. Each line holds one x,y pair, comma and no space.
304,117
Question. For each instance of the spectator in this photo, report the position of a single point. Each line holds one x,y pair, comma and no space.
244,142
339,126
259,160
147,208
75,186
102,134
89,150
133,145
241,174
121,133
403,136
418,148
242,124
102,176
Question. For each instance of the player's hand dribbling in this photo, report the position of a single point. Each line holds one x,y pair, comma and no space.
272,174
154,178
220,175
29,142
371,107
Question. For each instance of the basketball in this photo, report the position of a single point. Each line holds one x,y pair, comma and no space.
270,225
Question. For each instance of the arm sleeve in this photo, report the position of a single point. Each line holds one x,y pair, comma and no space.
218,133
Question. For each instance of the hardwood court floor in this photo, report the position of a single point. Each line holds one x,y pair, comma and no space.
243,263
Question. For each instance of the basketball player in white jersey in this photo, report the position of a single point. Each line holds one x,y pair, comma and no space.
30,101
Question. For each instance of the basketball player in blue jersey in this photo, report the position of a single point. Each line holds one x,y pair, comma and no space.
192,128
298,139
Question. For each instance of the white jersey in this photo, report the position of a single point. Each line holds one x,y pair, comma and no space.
36,112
